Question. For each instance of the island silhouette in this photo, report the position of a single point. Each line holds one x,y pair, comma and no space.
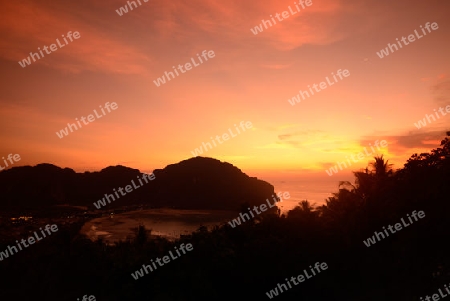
196,183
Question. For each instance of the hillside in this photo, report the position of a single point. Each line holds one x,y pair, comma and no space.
196,183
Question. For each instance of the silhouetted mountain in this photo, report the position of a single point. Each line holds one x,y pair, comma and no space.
196,183
207,183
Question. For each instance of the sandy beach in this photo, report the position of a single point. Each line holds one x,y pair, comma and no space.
168,223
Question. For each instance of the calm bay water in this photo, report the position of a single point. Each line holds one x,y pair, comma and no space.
168,223
172,223
304,189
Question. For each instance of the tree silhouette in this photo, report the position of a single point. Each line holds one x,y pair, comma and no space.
304,211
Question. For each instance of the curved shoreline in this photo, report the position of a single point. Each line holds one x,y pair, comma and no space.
164,222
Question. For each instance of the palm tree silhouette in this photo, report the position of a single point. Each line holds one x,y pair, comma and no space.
370,183
368,195
381,168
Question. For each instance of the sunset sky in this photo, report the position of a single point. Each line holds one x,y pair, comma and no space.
251,78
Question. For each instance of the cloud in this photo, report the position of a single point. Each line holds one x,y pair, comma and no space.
41,24
441,91
401,147
276,145
136,43
416,140
300,133
283,127
316,140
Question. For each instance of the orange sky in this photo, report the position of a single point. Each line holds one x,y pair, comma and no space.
250,78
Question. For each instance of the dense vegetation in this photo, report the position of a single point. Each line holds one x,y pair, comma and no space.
245,262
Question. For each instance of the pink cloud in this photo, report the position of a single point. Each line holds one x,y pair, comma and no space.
27,26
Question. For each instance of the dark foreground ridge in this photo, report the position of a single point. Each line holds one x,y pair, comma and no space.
263,256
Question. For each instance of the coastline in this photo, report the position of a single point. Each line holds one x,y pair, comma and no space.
164,222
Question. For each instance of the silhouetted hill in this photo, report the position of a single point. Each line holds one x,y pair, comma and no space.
196,183
207,183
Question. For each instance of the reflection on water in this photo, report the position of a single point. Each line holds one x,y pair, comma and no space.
100,233
168,223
